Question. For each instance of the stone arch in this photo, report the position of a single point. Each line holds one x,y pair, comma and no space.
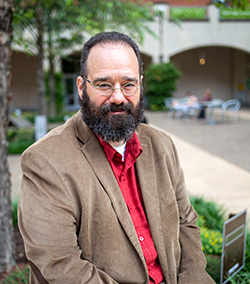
224,72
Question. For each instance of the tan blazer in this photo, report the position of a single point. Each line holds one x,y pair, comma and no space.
75,223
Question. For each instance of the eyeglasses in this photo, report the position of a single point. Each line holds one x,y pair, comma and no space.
106,89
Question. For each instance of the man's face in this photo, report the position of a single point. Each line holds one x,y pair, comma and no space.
114,117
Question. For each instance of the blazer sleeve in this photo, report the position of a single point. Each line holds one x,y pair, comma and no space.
193,262
47,221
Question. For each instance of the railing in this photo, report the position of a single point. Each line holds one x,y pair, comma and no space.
188,13
234,14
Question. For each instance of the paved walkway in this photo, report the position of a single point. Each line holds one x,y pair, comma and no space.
215,158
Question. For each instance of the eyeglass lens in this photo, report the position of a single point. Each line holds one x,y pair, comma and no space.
106,89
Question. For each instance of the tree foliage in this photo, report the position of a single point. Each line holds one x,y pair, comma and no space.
55,27
239,4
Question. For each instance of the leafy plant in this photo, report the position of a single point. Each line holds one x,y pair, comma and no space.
19,140
211,241
29,115
212,213
160,82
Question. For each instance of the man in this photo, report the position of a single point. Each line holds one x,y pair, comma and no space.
103,197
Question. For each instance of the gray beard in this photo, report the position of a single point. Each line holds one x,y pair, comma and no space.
118,127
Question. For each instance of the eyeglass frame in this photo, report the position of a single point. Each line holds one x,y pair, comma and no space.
113,88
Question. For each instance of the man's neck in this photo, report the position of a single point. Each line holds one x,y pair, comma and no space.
116,143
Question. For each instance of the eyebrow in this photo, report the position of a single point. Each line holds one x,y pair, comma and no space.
130,79
101,79
108,78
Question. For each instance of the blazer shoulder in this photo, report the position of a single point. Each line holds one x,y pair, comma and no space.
154,133
60,137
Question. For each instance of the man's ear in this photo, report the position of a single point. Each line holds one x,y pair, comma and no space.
79,82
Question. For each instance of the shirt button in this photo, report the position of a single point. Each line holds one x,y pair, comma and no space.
141,238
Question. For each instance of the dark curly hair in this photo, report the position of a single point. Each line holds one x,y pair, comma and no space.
107,37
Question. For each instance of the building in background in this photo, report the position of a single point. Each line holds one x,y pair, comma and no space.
210,46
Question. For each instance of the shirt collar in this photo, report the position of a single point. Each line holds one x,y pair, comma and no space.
132,152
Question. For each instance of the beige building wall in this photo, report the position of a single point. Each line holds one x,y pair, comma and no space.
216,74
226,45
23,84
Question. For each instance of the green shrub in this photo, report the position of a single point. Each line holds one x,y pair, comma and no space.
60,118
211,241
212,213
160,82
29,115
17,147
17,134
19,140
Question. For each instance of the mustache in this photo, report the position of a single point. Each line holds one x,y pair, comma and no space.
114,107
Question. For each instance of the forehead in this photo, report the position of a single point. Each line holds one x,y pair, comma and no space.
112,59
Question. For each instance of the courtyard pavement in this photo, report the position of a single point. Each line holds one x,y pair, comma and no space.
215,158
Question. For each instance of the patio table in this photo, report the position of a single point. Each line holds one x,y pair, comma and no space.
210,107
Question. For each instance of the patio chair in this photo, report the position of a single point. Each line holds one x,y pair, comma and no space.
217,102
178,107
230,106
172,111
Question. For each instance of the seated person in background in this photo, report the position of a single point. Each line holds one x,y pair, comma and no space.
207,95
193,102
206,98
186,105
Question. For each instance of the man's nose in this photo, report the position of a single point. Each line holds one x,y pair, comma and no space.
117,96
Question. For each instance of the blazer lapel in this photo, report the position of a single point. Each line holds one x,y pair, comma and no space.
147,178
94,153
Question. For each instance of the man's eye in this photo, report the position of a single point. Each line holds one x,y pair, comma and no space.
129,86
104,86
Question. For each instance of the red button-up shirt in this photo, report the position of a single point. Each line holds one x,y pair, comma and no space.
125,173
